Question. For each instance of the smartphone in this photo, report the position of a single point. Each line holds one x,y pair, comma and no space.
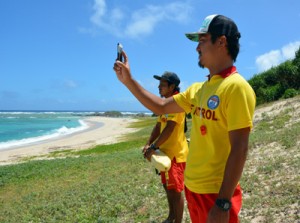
119,51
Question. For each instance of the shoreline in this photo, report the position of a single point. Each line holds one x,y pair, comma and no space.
101,130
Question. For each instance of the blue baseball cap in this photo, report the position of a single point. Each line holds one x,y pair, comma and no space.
170,77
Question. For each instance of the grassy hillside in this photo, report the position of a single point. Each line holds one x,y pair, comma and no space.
271,179
113,183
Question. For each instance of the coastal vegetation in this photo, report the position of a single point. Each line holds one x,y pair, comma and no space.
118,114
282,81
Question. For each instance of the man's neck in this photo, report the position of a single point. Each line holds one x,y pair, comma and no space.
171,94
218,68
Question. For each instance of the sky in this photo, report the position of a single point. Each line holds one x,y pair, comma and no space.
59,55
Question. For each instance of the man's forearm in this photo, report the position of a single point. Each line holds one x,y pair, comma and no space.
154,134
233,171
235,163
166,133
152,102
149,100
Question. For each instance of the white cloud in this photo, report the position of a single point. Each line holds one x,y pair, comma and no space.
268,60
104,19
275,57
143,21
138,23
100,10
289,50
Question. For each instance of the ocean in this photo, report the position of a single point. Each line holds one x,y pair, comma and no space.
18,128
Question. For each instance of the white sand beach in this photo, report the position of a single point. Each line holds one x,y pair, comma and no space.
111,131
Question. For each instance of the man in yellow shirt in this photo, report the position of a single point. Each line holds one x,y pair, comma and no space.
168,135
222,112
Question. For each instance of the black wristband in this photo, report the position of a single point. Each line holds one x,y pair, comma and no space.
152,146
223,204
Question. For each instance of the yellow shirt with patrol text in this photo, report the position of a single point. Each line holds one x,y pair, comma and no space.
217,106
176,145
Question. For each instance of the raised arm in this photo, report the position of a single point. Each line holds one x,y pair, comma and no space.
152,102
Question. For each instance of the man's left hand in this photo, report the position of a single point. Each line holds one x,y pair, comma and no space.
148,153
216,215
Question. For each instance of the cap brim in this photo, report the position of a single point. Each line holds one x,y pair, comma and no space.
193,36
157,77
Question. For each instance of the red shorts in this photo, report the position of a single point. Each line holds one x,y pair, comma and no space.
200,204
174,178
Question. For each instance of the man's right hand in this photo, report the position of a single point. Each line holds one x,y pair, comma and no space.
122,69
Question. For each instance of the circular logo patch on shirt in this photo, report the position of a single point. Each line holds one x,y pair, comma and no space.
213,102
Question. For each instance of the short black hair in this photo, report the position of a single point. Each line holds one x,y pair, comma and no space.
233,44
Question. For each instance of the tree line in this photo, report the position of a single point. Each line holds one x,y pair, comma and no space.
282,81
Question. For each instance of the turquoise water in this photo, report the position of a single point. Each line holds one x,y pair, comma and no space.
19,128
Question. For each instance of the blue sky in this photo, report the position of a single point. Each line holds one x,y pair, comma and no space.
58,55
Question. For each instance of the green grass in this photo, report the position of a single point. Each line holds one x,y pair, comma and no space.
110,183
113,183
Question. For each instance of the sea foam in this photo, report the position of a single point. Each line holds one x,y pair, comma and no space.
63,131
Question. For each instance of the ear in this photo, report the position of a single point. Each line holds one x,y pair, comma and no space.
172,86
222,41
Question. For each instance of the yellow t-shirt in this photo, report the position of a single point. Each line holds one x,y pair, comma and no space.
217,107
176,145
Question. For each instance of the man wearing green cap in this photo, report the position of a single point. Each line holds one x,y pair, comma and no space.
222,112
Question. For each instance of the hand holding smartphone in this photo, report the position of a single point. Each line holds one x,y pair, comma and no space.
119,52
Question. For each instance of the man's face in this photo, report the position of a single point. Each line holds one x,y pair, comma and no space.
206,50
164,89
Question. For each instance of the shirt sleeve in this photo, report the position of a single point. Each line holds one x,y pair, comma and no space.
240,107
186,99
176,117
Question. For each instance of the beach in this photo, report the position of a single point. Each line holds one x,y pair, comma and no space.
101,130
